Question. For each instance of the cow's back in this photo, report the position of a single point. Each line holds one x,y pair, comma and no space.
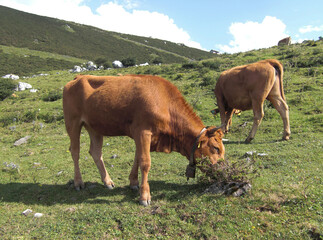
236,85
111,105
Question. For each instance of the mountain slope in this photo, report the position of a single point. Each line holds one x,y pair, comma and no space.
35,32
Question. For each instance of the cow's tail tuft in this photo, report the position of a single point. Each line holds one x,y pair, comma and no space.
280,72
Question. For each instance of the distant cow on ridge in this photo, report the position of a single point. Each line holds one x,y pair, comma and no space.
148,109
246,87
285,41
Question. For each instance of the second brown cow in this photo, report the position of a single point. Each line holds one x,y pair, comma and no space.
246,87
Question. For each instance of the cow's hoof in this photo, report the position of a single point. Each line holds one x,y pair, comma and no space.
286,138
145,203
109,186
80,186
248,140
135,187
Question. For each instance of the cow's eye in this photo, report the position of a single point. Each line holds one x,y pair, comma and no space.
217,149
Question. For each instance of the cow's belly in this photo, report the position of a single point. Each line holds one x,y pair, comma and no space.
239,103
107,123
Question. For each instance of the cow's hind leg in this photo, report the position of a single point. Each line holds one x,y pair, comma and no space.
96,153
74,131
282,107
258,112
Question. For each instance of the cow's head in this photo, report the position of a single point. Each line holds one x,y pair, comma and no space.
210,145
208,148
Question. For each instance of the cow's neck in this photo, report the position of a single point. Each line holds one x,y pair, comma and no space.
181,134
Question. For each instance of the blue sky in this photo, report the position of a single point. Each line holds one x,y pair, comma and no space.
228,26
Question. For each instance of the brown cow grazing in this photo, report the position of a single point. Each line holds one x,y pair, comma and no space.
246,87
148,109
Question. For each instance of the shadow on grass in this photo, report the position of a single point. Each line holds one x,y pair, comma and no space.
94,193
253,142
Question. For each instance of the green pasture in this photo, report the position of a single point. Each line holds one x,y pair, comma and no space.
287,193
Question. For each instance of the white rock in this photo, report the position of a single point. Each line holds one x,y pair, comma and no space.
23,86
26,212
251,153
262,154
21,141
117,64
38,215
77,69
11,76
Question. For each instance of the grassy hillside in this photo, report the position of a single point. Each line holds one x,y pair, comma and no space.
34,32
25,62
286,198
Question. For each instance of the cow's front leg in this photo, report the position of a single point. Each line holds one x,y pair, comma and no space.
143,141
133,177
258,112
228,119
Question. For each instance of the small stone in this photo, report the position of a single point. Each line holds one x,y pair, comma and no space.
71,210
38,215
21,141
13,128
250,153
262,154
26,212
114,156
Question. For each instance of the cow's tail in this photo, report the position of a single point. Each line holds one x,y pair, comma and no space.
279,72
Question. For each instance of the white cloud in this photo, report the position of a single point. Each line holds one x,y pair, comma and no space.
253,35
118,16
310,28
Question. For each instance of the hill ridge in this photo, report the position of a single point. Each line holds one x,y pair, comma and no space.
25,30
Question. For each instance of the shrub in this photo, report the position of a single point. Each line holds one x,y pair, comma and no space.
214,65
107,65
30,116
156,59
129,62
178,77
51,117
7,87
190,65
207,81
226,171
100,61
53,95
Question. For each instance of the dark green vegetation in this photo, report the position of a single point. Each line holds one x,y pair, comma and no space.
7,87
24,30
286,197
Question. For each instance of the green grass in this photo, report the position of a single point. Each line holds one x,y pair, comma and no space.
285,201
25,62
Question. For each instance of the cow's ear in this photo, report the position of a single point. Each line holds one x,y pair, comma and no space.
215,131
